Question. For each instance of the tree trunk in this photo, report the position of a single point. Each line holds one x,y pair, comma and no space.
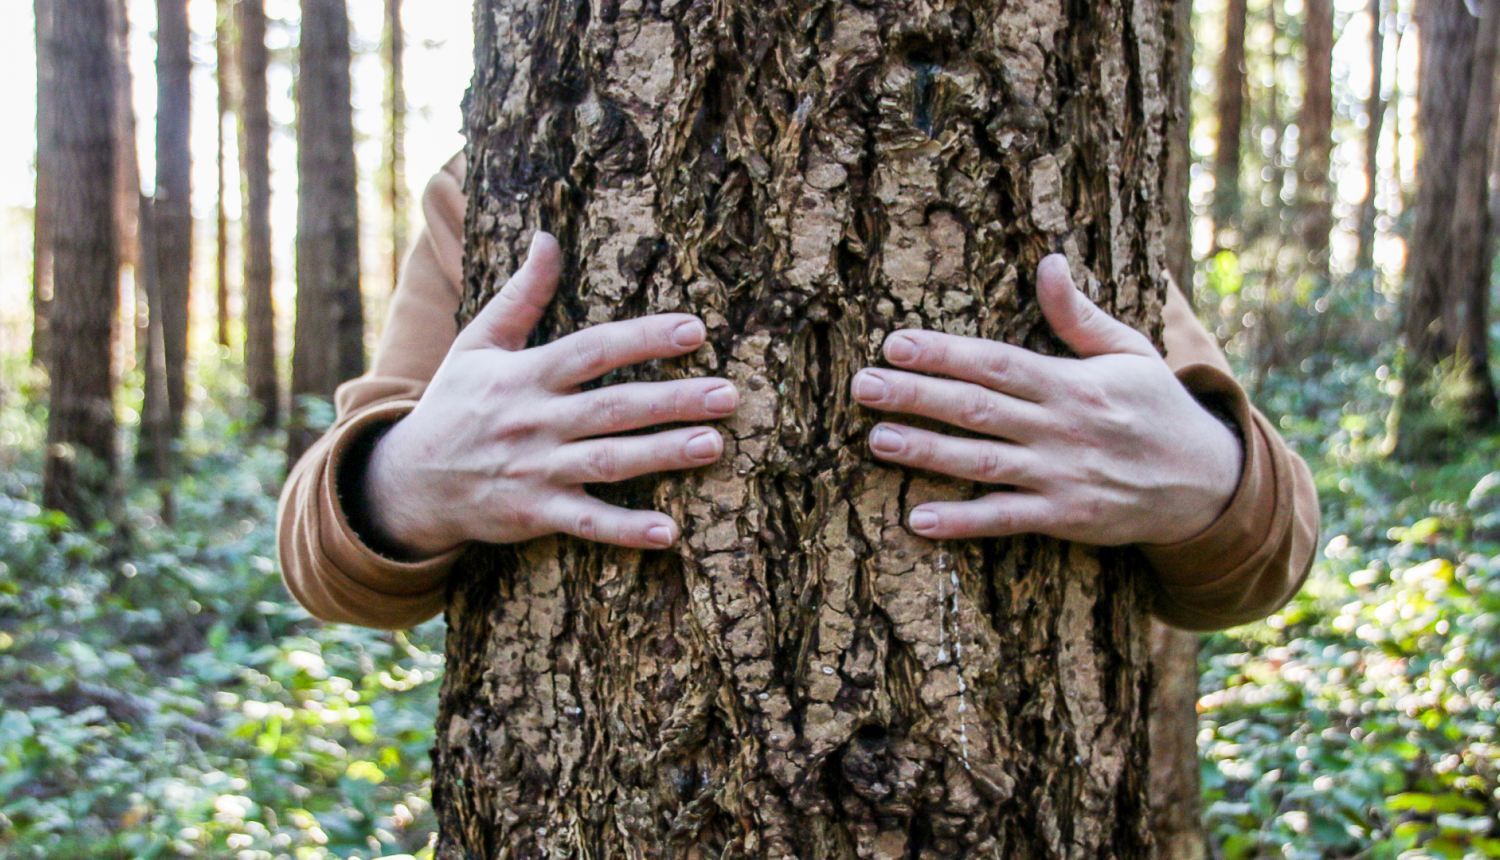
1448,272
393,178
1231,109
173,221
81,421
46,149
127,159
255,157
329,346
223,66
1315,135
803,677
1364,258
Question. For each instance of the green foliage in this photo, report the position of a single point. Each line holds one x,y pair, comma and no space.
162,696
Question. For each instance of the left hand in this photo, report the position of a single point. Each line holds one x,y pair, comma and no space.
1106,449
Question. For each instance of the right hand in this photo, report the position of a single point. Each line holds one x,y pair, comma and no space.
502,441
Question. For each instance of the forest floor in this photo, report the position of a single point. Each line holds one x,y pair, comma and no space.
162,696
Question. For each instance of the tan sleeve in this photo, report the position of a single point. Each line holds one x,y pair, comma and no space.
325,565
1257,554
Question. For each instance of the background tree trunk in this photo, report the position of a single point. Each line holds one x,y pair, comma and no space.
46,147
81,420
1315,134
127,159
255,159
223,77
173,220
1231,110
803,677
1448,271
1375,114
393,177
329,346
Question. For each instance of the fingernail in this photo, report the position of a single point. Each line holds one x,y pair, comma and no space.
689,333
886,440
899,347
721,400
659,535
923,521
704,446
536,239
868,386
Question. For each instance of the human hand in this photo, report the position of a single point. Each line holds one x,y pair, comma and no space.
1105,449
502,441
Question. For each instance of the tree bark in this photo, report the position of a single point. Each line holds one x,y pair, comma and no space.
1364,258
1448,273
223,71
393,177
81,456
1231,110
173,220
255,158
46,148
803,677
1315,135
329,336
127,160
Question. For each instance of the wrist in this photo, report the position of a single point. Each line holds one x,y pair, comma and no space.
387,508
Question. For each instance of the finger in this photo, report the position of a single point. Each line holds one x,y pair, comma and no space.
995,515
508,319
997,366
967,459
593,352
619,458
1079,322
962,404
634,405
586,517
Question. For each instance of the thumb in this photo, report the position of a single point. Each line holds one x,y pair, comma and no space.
507,320
1078,321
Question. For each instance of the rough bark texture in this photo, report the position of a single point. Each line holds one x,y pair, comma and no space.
1364,258
1231,111
85,251
393,177
173,220
46,148
255,158
802,677
1448,271
222,77
1315,134
1176,790
329,346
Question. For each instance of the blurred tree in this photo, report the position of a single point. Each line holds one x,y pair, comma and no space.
329,336
802,676
1315,135
1446,381
127,162
1231,111
393,177
1364,258
255,159
46,147
81,456
224,78
173,218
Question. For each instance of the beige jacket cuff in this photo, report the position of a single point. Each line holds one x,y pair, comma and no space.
338,576
1260,548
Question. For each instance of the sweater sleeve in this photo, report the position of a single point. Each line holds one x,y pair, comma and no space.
1257,554
324,563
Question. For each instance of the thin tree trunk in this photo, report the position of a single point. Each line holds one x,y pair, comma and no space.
127,162
46,148
1231,110
803,677
173,220
329,347
394,175
1448,273
1364,258
1315,134
156,429
223,66
81,456
255,156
